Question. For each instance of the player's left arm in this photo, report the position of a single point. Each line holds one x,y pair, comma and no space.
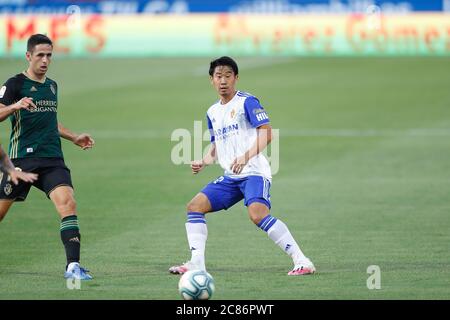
83,140
263,138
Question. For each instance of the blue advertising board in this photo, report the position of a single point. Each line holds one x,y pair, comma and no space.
225,6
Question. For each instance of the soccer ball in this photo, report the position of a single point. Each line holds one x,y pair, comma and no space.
196,285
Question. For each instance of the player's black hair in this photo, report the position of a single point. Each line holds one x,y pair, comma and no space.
36,39
223,61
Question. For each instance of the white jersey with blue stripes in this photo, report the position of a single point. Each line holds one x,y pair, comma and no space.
233,130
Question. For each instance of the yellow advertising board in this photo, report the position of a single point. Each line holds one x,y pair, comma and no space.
251,35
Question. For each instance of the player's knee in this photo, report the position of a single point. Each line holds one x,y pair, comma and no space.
71,205
192,206
257,212
255,217
196,206
67,204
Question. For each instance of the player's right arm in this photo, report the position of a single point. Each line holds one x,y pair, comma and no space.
8,167
24,103
209,158
211,155
11,100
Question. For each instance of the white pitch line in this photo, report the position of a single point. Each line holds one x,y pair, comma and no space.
417,132
332,133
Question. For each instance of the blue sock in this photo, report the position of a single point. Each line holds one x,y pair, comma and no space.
266,223
196,217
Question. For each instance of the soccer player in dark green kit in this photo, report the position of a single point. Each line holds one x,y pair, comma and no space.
29,99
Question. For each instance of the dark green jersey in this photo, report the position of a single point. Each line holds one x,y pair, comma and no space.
34,133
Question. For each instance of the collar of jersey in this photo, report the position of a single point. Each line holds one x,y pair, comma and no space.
26,75
226,104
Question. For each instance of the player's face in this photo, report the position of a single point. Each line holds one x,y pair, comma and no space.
40,58
224,80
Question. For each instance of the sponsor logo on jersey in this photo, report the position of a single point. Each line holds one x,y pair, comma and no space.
45,106
262,116
30,150
2,91
52,88
226,130
46,103
33,89
257,110
44,109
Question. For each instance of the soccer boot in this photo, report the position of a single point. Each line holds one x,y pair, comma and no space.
74,271
303,268
185,267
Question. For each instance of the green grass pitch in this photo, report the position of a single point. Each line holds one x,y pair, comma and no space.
364,180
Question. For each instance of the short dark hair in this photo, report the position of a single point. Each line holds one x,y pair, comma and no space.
223,61
36,39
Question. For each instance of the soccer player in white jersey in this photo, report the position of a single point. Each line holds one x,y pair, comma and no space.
240,131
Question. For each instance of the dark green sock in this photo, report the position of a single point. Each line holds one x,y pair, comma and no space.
70,237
